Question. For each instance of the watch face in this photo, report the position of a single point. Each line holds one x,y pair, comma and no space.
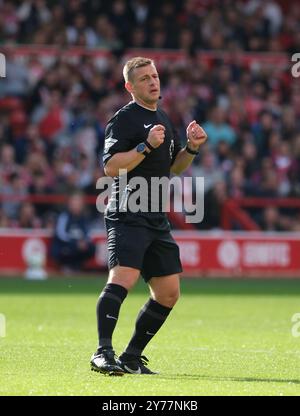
141,147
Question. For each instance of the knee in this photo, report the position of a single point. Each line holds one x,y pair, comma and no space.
122,276
168,299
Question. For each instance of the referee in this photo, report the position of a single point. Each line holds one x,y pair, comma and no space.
140,139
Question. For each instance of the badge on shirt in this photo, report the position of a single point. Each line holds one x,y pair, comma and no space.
109,141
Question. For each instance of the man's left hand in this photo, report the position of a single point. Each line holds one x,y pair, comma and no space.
196,135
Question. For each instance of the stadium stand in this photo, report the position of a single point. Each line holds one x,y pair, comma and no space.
64,61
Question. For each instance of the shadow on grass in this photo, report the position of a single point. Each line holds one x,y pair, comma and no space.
93,285
239,379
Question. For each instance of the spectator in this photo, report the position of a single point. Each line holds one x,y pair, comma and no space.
91,189
138,38
273,13
52,117
4,220
16,81
262,132
32,14
214,201
224,157
8,164
218,129
208,169
269,185
271,219
121,16
141,10
249,25
71,245
27,217
39,186
107,34
249,153
13,193
86,171
79,28
283,163
251,107
237,183
10,20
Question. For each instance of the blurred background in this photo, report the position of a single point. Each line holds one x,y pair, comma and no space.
226,64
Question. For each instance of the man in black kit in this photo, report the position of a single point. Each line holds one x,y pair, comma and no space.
141,140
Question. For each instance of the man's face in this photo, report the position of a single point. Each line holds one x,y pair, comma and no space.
144,84
76,205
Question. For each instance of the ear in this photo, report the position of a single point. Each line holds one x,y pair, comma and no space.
129,87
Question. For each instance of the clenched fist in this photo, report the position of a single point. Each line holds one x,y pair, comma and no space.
156,135
196,135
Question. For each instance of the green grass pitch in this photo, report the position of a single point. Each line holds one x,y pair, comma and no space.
224,337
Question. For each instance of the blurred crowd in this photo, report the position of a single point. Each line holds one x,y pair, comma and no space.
252,25
52,119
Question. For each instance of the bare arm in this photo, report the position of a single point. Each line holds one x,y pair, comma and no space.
123,160
129,160
182,162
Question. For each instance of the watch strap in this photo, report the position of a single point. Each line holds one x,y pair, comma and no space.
150,147
192,152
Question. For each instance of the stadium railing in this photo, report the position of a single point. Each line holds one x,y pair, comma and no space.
234,210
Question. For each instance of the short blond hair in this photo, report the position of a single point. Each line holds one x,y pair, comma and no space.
134,63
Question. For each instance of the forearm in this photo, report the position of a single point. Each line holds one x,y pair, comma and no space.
123,160
182,162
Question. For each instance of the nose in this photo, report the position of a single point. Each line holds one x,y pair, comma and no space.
153,82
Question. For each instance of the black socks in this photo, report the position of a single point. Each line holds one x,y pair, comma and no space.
108,307
149,320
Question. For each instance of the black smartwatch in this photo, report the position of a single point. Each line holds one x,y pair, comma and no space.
142,148
150,147
190,151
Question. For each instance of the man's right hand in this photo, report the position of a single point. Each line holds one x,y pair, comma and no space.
129,160
156,135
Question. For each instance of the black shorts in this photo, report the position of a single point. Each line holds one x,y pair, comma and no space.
153,252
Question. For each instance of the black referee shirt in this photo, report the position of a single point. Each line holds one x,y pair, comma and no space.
125,130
